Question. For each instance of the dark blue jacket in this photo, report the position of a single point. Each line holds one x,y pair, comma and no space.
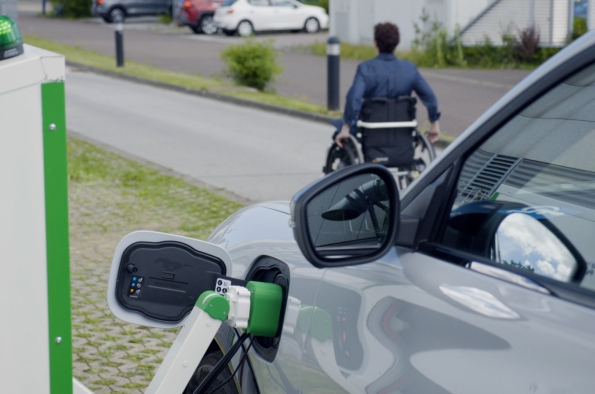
387,76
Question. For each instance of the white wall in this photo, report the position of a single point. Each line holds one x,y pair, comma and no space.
590,15
464,11
353,20
403,13
551,18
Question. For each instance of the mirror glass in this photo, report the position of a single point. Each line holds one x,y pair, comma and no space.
351,218
524,242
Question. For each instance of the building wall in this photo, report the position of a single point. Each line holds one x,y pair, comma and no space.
551,19
353,20
591,15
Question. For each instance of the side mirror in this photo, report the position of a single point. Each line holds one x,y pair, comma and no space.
156,278
520,236
348,217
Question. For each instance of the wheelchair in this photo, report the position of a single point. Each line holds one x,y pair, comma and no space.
387,135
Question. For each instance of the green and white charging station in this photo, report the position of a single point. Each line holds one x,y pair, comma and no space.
35,335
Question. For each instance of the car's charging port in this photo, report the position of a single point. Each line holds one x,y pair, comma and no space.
270,270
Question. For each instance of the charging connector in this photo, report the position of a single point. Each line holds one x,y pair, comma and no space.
255,308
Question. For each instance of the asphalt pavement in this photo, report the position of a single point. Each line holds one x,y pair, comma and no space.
463,95
255,154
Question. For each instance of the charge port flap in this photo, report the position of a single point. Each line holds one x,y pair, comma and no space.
156,278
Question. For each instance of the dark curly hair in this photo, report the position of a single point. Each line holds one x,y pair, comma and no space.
386,36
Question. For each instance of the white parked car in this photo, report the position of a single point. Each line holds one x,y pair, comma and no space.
247,16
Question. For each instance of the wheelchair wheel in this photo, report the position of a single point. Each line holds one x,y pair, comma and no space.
338,158
424,154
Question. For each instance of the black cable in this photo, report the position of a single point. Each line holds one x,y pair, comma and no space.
252,367
220,366
234,372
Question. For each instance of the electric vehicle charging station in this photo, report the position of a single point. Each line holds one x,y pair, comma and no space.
36,335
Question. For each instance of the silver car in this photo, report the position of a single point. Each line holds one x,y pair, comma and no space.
479,278
114,11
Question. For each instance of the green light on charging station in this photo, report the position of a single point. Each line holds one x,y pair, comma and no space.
11,42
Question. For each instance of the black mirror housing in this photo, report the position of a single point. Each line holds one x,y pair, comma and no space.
348,217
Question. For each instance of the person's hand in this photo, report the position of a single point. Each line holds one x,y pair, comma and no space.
434,132
343,135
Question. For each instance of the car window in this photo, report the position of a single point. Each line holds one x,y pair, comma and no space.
259,3
526,197
282,3
228,3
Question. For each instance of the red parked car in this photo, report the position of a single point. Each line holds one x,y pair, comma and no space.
197,15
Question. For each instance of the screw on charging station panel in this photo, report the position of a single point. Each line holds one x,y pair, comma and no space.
58,340
52,127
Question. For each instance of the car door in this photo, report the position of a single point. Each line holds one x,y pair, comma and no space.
287,15
491,288
260,14
158,6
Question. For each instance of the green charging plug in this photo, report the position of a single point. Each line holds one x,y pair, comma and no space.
265,308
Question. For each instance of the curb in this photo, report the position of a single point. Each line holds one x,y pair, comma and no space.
441,144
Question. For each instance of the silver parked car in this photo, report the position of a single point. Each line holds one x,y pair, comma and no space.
114,11
479,278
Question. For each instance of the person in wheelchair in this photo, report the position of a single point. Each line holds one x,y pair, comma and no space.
390,79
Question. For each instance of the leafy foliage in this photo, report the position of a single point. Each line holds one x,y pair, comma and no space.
432,47
252,63
526,47
519,265
579,27
319,3
348,51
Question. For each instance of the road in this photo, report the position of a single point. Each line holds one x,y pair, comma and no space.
255,154
463,95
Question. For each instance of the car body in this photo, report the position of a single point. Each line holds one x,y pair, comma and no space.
197,15
489,286
118,10
478,278
248,16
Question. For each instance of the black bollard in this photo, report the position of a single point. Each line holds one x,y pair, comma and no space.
333,56
119,45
